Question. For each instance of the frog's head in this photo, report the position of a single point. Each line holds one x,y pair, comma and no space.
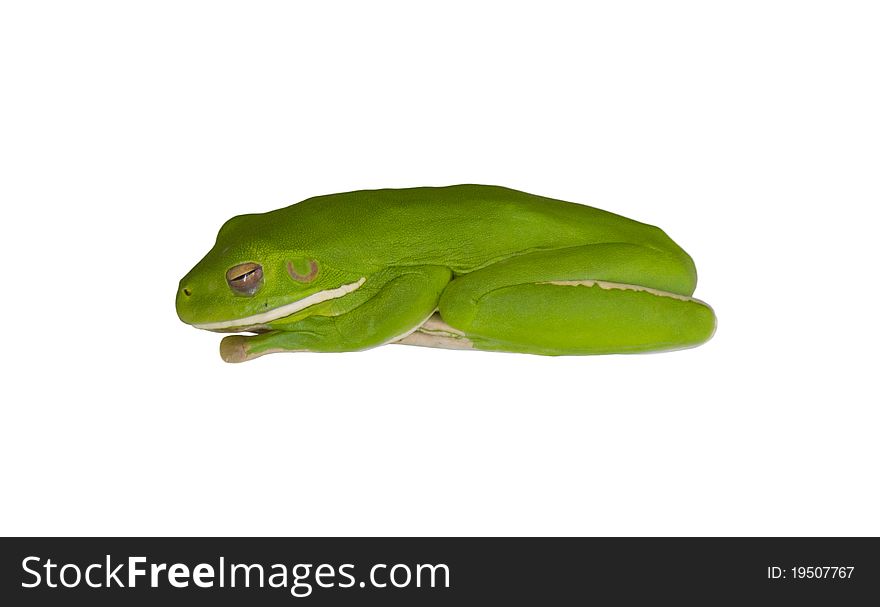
251,278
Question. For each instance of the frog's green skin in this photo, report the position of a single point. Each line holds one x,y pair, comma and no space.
467,266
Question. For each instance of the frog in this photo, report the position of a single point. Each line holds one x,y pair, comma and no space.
462,267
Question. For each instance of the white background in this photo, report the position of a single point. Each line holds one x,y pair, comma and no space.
130,131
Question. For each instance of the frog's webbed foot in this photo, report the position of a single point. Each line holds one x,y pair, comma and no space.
234,349
241,348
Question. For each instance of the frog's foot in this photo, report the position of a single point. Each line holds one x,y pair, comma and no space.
233,348
241,348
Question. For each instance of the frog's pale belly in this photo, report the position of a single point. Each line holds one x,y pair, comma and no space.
434,333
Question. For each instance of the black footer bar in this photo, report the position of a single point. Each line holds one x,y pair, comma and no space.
437,571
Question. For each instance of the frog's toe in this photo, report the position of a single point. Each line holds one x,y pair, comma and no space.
233,349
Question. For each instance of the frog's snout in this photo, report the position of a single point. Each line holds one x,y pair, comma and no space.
184,297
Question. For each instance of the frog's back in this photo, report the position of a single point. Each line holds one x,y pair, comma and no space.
461,226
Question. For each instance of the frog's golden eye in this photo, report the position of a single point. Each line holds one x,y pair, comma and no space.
245,278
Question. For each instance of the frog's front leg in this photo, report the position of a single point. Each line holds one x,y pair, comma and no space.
593,299
407,298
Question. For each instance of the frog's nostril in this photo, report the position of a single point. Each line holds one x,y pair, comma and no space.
187,292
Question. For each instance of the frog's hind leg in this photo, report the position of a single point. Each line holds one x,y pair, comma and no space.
594,299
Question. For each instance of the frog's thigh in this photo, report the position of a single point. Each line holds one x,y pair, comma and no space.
399,307
579,303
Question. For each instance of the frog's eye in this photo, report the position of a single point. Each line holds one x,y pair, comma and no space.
245,278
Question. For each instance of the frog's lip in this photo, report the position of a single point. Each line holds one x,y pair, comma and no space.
281,311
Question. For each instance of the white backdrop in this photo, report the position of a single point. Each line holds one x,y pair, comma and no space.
130,131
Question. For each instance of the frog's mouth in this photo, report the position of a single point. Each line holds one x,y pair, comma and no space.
257,322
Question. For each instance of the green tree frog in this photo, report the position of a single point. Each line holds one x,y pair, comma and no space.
466,266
